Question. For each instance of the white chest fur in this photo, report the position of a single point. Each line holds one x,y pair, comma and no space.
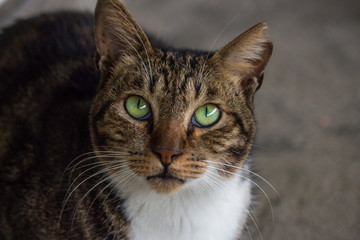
198,212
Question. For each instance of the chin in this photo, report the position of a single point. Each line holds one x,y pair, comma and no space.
166,185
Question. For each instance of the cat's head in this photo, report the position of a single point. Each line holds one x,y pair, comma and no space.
168,119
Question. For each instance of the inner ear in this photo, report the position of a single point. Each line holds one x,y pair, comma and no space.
117,34
259,81
243,60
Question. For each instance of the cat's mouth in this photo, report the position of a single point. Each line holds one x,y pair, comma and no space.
165,176
165,183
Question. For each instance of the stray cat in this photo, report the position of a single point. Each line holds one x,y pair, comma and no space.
150,142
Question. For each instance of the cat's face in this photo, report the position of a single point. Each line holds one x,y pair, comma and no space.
172,117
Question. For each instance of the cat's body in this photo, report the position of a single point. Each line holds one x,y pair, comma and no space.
164,175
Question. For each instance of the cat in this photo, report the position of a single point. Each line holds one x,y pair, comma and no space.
148,142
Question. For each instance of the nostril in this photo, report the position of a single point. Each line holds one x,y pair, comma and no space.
166,156
157,154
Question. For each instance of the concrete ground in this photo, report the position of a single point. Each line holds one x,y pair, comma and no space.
308,109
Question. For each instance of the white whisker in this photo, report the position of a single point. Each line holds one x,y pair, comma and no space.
146,51
89,153
253,182
212,46
138,54
247,229
68,195
92,188
97,164
129,174
108,185
246,170
256,225
115,156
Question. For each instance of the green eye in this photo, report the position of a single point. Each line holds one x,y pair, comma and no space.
137,107
206,115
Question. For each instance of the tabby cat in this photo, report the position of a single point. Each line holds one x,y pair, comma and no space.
148,142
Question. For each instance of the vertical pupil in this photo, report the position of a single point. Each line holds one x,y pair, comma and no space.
206,111
138,103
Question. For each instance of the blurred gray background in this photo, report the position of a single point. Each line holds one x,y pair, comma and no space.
308,109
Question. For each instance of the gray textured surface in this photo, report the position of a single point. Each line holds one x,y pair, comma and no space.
308,109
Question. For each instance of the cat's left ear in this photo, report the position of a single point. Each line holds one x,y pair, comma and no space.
243,60
117,35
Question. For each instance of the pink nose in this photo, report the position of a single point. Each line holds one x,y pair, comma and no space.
167,155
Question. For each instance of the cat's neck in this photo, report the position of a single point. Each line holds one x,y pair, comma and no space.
197,212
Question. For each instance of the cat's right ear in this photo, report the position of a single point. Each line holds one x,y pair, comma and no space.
117,34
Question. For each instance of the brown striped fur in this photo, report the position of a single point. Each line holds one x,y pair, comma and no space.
175,84
49,84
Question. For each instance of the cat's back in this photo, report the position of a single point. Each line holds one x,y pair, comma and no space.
33,48
47,81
